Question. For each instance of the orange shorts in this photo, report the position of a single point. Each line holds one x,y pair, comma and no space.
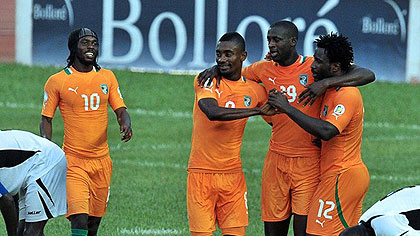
217,197
88,183
337,203
288,185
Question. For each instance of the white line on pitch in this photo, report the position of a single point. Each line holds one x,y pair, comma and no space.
186,114
139,231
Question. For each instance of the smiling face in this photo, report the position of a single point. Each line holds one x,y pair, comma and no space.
229,58
280,44
321,67
87,50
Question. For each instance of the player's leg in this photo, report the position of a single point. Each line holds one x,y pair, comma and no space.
100,181
21,227
93,225
277,228
201,202
337,203
7,206
34,228
275,194
232,207
305,180
77,195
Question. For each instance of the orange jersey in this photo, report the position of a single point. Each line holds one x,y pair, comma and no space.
83,101
287,138
343,109
216,145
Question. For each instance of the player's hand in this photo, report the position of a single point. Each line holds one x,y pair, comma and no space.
317,142
312,92
268,110
268,57
278,100
209,74
126,133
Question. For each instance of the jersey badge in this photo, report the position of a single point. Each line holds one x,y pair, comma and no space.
338,111
104,88
325,111
247,101
303,79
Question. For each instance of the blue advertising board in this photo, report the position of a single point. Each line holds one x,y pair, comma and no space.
171,35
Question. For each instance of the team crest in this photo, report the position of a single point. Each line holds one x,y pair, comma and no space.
104,88
325,111
303,79
247,101
338,111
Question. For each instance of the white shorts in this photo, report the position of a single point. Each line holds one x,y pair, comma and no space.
45,198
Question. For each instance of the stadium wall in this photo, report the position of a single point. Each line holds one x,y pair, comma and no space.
178,36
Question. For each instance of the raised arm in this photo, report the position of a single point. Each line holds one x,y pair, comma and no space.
125,123
45,127
356,76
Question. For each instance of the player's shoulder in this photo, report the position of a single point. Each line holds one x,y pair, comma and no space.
304,61
349,94
105,72
262,64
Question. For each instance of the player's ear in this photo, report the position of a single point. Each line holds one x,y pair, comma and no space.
335,67
244,54
293,41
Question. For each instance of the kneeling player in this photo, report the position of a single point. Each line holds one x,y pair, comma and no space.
396,214
35,168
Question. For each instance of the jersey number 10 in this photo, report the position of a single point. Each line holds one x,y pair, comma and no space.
95,100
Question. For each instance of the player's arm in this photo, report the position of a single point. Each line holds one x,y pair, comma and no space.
45,127
212,110
319,128
125,123
356,76
8,210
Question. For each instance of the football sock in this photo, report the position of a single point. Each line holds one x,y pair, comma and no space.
79,232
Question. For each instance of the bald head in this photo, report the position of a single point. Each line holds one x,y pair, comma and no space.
288,27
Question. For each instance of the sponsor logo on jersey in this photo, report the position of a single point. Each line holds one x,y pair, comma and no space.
73,89
247,101
338,111
104,88
273,80
325,111
218,92
33,212
303,79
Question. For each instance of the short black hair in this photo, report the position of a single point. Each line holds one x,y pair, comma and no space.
74,38
337,48
235,37
290,27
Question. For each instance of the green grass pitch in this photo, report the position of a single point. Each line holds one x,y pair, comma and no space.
148,191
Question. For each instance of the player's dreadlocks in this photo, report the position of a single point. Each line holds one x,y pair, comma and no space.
74,38
338,49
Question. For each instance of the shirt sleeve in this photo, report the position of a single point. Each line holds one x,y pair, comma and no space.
115,98
344,107
51,97
262,96
207,91
251,72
